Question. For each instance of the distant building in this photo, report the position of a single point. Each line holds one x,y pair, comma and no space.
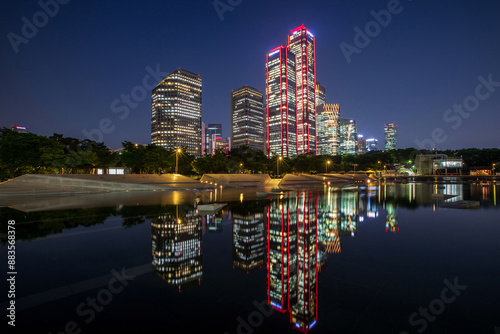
20,129
247,118
176,112
391,136
320,95
213,135
361,145
328,128
348,134
281,107
371,145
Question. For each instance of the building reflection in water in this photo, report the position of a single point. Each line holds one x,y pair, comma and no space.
391,220
248,235
176,246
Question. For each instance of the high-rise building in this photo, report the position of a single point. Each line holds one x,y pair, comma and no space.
280,103
361,145
391,136
176,112
302,43
247,118
320,95
348,134
328,129
213,136
371,145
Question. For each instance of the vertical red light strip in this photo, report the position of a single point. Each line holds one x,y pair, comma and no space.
267,104
268,254
305,84
282,269
315,114
317,254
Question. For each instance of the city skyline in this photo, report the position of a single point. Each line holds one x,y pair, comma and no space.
409,72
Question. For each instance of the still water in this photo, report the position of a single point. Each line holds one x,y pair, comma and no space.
384,259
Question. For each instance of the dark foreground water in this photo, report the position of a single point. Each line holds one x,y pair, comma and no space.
386,259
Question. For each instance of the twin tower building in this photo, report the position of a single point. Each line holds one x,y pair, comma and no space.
286,125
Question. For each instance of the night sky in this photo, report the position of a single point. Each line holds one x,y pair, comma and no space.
66,77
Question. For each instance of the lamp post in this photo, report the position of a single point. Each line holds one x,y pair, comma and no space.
327,164
380,165
177,151
355,167
494,167
241,167
278,165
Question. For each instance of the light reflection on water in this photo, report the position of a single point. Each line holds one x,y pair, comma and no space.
293,237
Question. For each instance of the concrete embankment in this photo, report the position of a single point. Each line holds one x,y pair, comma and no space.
47,185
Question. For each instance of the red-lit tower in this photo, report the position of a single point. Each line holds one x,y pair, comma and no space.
302,43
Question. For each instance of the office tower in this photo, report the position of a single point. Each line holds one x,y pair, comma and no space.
391,136
176,112
176,246
212,136
348,134
302,43
320,95
328,128
247,118
280,101
361,145
20,129
371,145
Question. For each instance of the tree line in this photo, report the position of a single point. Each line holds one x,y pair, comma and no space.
23,153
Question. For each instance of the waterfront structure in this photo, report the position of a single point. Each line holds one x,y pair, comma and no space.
176,112
176,246
247,118
302,43
361,148
328,128
371,145
348,134
280,103
438,164
391,136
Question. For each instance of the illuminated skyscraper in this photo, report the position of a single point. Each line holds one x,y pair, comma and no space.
247,118
280,104
320,95
176,112
348,136
302,43
371,145
20,129
328,128
361,147
391,136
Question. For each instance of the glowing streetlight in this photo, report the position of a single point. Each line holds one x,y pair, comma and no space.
177,151
380,165
241,167
494,167
278,165
328,164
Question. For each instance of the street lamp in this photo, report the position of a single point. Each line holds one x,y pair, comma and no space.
355,167
327,164
494,167
241,166
380,165
177,151
278,164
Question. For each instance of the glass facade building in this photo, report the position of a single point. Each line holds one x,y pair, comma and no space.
371,145
348,133
247,118
176,112
328,129
280,103
302,43
391,136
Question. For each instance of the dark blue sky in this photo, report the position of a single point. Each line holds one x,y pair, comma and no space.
428,58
